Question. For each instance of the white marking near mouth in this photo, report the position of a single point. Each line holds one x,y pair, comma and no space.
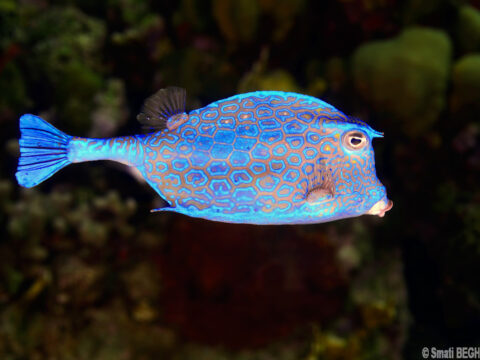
381,207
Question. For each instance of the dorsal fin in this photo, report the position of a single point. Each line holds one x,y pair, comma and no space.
161,106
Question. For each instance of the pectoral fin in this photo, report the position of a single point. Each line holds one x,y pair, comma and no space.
319,194
323,190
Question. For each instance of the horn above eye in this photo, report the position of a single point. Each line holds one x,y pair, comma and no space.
354,140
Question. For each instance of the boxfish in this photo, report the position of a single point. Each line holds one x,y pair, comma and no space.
264,157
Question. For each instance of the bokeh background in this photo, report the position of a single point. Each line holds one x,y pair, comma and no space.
86,272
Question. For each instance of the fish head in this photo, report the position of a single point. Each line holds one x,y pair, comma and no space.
353,169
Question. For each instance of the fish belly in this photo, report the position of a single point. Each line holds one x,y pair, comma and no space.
243,159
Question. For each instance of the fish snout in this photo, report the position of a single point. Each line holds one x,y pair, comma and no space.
381,207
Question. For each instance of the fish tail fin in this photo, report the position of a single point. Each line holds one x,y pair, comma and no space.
43,151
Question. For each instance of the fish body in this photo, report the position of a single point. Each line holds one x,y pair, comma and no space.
266,157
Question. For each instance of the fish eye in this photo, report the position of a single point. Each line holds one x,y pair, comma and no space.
354,140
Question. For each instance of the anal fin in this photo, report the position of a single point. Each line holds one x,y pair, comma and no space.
166,208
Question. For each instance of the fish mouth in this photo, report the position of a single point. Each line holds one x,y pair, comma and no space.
381,207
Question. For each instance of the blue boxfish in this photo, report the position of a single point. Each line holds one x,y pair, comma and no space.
264,157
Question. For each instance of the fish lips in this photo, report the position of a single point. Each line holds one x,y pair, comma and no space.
381,207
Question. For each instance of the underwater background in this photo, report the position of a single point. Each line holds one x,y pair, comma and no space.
86,272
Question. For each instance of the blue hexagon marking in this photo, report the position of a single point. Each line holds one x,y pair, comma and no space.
205,195
221,151
260,151
266,201
229,108
224,204
284,205
310,152
280,150
294,127
244,144
245,116
225,136
327,148
184,148
196,177
167,152
271,137
188,133
294,159
277,166
263,112
180,164
161,167
199,158
220,187
267,183
283,113
285,190
258,168
173,180
295,142
154,141
313,137
306,116
240,177
291,175
203,142
249,104
207,129
269,124
308,169
184,190
193,119
247,130
216,168
244,194
239,158
209,114
226,122
170,138
148,167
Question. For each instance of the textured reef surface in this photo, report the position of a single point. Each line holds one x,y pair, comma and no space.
86,272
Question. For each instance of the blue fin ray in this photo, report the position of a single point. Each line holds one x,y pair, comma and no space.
43,151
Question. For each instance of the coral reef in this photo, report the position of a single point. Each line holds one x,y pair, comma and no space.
469,28
465,97
405,77
86,272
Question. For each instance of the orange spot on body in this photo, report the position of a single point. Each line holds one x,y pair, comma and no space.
295,159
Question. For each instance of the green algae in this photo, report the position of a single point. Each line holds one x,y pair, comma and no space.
406,77
466,83
85,267
468,31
